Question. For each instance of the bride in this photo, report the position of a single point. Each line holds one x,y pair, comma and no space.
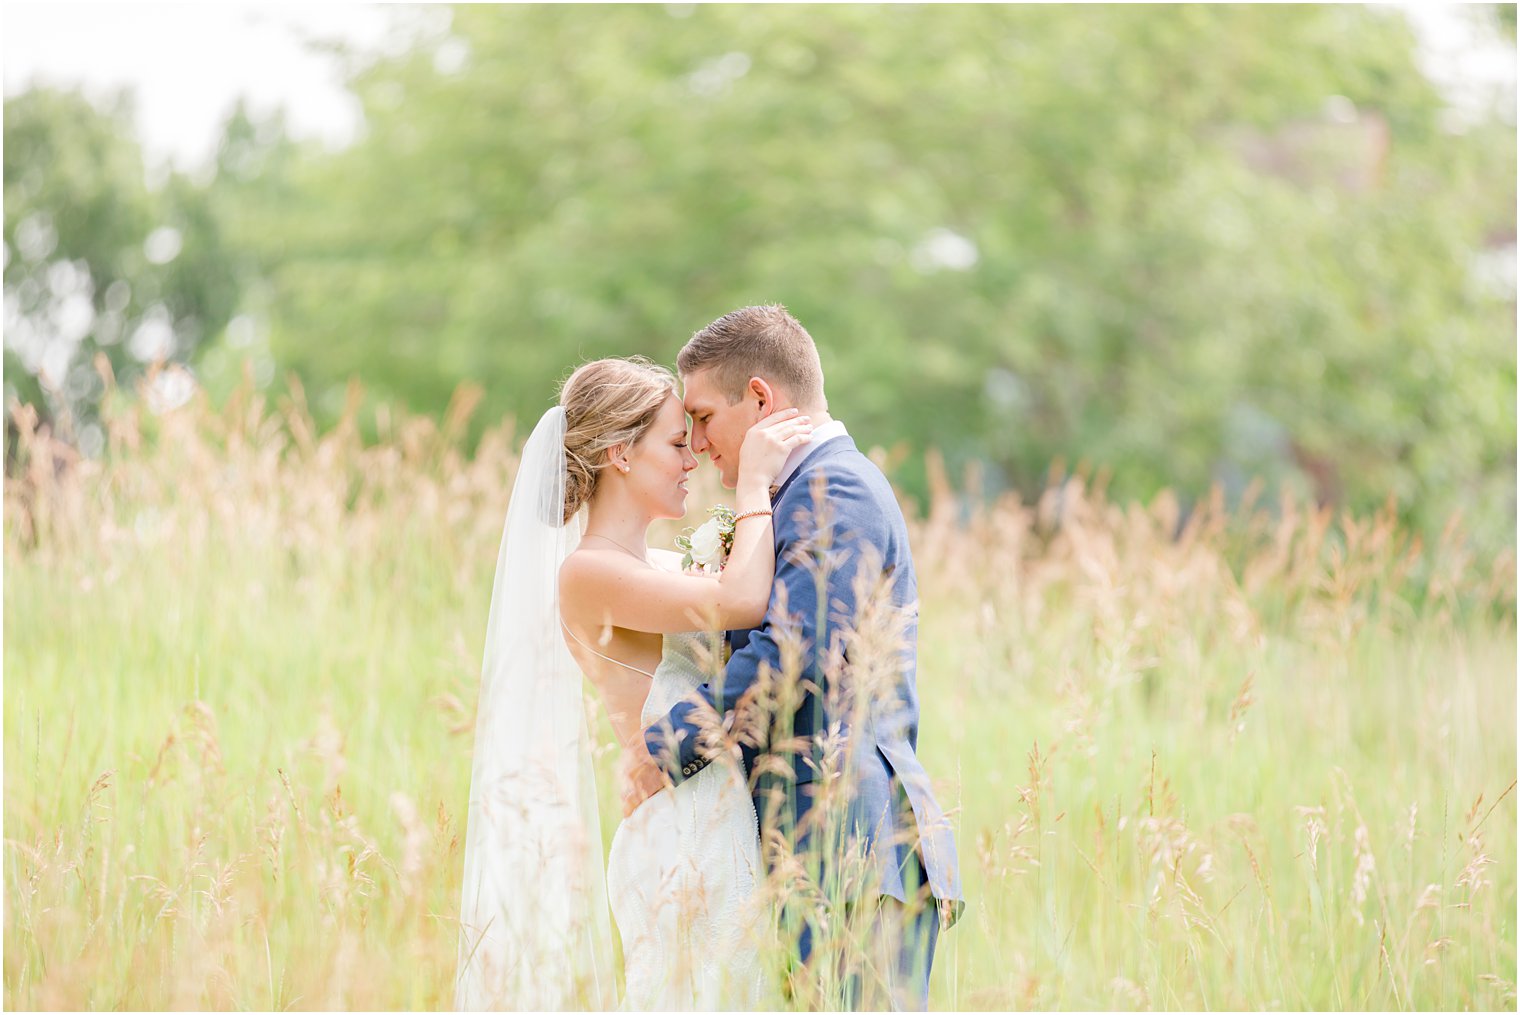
577,584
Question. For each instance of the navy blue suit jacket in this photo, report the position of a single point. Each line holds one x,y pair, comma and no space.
818,555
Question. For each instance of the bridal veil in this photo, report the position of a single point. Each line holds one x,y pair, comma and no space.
534,925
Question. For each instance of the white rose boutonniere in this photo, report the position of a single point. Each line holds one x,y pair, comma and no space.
708,546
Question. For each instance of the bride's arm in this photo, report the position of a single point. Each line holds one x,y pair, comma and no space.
611,588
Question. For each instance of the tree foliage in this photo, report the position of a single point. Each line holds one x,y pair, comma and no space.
96,261
1190,244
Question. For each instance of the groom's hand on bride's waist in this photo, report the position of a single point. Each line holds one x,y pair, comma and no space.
639,778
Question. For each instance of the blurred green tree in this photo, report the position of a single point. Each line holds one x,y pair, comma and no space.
1193,244
96,261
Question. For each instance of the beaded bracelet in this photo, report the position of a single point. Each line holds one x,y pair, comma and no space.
750,514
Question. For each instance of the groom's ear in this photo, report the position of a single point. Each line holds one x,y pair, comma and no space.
763,394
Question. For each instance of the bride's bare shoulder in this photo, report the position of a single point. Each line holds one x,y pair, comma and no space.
587,568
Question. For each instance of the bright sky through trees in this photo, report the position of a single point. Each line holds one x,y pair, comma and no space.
188,63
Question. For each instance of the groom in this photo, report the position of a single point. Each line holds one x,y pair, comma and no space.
839,535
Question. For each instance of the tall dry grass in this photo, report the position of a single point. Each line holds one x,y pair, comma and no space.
1247,758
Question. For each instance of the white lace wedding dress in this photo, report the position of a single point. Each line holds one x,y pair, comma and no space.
681,876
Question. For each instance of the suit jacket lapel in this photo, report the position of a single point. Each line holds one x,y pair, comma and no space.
839,445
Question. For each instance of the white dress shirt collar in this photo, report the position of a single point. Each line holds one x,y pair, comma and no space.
827,432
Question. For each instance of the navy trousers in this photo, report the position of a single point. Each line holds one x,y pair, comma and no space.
892,971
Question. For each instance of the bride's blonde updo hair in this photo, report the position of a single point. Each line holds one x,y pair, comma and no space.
607,402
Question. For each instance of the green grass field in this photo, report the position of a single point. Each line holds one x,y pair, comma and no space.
1267,764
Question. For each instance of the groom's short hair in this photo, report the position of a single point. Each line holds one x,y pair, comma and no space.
763,342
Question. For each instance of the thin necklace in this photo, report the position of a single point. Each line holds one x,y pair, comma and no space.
641,556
